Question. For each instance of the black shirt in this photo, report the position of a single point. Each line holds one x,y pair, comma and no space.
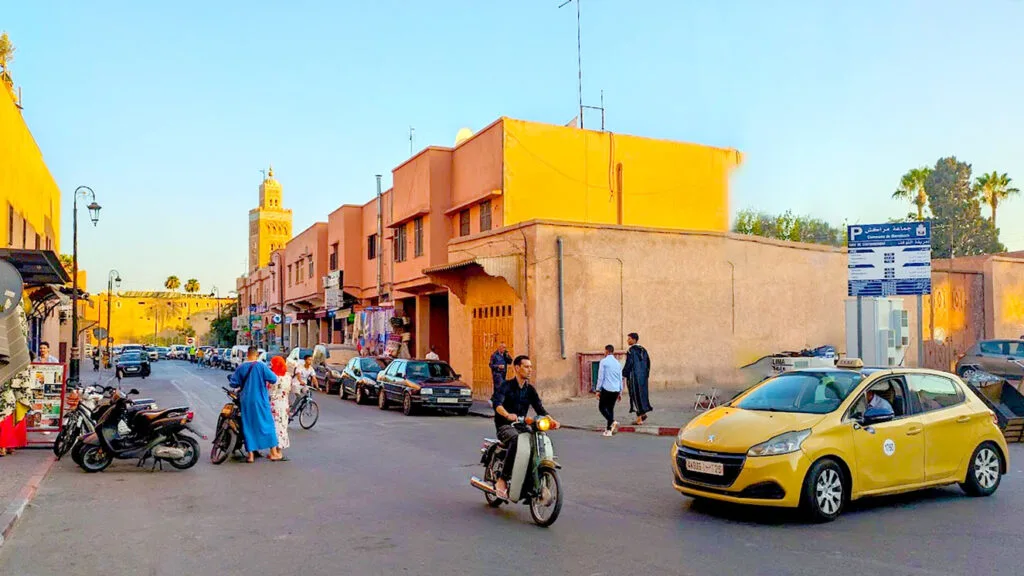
516,400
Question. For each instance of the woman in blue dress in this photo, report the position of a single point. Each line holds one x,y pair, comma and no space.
253,377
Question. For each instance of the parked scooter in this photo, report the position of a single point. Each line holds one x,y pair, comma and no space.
534,480
229,437
156,434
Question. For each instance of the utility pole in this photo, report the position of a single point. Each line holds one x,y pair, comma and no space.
411,132
379,240
579,58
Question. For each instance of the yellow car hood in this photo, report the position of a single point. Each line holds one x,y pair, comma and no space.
730,429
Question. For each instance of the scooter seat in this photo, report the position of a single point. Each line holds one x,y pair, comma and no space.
152,415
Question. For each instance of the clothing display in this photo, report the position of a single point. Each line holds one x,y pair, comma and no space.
371,328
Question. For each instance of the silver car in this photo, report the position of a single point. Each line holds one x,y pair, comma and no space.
1003,358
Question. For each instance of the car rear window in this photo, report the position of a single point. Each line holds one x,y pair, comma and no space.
371,365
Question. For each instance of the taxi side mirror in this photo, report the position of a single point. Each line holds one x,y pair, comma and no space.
877,416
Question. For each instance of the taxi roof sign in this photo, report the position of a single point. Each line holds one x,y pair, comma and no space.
851,363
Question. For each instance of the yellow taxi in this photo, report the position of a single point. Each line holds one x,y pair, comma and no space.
818,438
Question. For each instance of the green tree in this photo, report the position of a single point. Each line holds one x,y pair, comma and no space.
192,286
994,188
186,332
912,189
6,51
958,228
787,226
220,329
172,283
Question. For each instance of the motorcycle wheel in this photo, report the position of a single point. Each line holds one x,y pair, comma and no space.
309,415
93,459
545,509
191,448
223,445
76,453
65,440
492,500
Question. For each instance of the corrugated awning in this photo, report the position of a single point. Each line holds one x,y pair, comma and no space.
37,267
507,266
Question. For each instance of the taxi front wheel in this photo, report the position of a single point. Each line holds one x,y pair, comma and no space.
983,473
825,491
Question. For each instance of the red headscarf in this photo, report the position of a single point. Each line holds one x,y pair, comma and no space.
278,366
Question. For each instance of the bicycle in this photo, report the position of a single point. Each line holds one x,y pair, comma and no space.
306,409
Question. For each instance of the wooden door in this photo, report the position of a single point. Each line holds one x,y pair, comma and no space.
492,325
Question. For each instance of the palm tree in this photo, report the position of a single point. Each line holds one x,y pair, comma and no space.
172,283
995,188
192,286
912,188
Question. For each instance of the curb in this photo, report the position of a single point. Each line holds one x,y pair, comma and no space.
17,508
648,430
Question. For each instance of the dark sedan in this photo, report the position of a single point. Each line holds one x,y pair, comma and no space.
423,384
133,364
358,378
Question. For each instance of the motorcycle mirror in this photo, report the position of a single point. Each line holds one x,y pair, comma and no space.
133,391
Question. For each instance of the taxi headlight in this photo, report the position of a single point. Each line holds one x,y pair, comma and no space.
781,444
427,391
544,424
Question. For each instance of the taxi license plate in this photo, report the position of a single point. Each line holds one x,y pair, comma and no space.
713,468
447,400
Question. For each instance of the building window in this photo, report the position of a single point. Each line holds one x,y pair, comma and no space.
371,247
310,266
485,215
417,232
464,223
10,226
400,243
39,241
289,274
334,256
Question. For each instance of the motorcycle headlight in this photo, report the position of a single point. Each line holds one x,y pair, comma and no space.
544,424
781,444
426,391
465,392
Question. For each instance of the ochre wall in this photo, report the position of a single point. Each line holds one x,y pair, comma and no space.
1007,296
567,174
132,316
25,184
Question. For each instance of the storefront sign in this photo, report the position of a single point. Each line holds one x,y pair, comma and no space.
333,280
332,298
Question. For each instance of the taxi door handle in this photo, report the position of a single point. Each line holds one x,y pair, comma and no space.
915,430
963,419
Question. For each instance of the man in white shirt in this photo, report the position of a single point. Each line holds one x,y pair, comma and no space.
432,355
44,353
609,388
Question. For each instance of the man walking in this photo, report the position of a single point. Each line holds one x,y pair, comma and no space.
636,372
499,365
257,419
609,388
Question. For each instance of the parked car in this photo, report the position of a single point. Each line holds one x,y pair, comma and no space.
133,364
1001,358
356,379
299,355
422,384
224,358
809,439
163,352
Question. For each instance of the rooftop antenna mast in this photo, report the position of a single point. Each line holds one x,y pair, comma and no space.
411,132
579,57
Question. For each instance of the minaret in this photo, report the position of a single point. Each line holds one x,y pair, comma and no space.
270,224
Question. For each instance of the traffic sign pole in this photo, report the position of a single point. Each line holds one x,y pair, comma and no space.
920,331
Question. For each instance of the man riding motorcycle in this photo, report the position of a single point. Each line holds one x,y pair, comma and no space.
512,401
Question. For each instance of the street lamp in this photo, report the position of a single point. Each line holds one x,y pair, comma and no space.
94,215
113,280
215,293
280,294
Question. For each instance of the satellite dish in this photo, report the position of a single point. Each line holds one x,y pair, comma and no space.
11,287
463,135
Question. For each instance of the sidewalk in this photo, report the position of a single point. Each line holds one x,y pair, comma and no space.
20,476
672,410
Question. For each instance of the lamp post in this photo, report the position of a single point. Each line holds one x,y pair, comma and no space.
215,293
94,215
280,294
113,279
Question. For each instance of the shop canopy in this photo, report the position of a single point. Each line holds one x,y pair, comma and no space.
37,267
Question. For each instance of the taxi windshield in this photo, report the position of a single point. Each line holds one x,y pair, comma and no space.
804,392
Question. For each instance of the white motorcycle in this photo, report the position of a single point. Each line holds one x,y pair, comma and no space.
534,480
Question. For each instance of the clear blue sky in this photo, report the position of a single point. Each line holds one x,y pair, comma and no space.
170,109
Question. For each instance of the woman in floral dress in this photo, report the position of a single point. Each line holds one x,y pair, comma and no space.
279,400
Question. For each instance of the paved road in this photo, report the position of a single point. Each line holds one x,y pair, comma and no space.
370,492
